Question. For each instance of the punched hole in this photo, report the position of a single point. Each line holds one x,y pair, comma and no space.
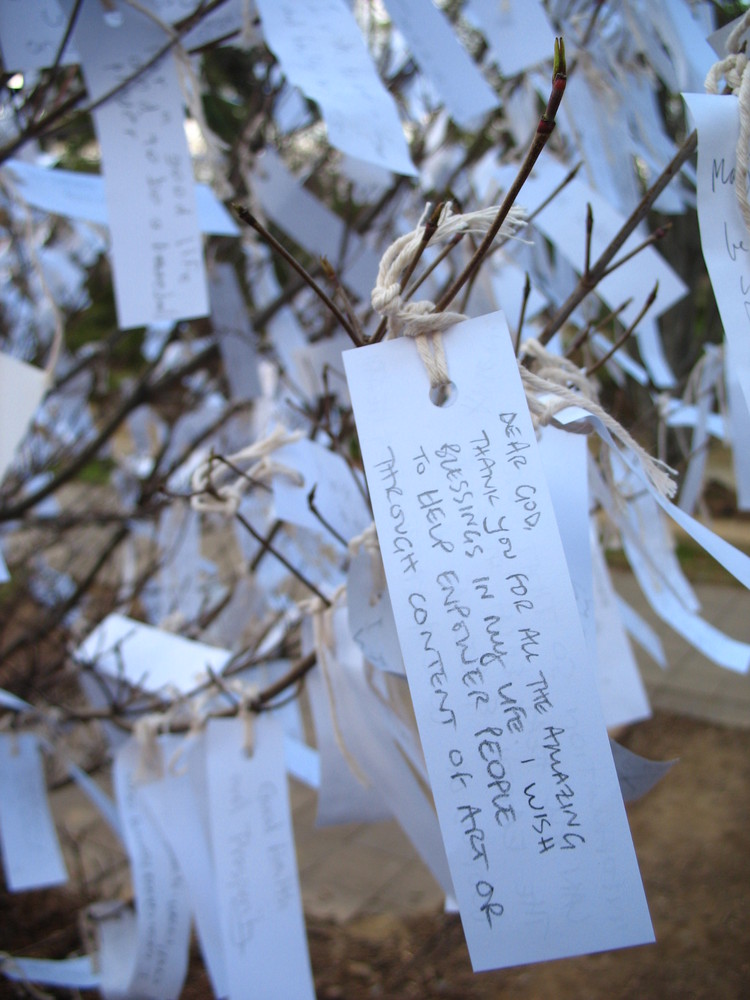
444,394
113,18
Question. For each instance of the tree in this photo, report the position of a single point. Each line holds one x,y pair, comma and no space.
195,467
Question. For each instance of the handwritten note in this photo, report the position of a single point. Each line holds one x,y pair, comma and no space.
30,34
509,717
724,236
322,52
21,389
443,60
151,961
311,224
156,243
260,908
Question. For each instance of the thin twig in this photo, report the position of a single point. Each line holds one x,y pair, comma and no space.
658,234
621,340
247,217
586,285
326,524
589,234
584,335
427,233
543,132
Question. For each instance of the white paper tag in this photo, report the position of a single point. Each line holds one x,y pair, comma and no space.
21,389
322,52
369,732
149,657
342,797
338,501
724,236
443,60
636,774
69,973
157,250
153,957
31,852
82,196
173,804
31,33
371,620
508,713
260,908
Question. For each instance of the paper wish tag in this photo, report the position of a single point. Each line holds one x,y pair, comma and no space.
260,907
724,236
505,698
148,657
157,249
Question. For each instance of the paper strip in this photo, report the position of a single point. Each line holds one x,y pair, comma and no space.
69,973
149,657
637,775
724,237
518,34
31,852
312,225
508,713
173,805
260,908
229,317
156,250
154,955
322,52
82,196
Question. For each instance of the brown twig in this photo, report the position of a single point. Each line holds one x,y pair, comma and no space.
597,272
249,219
543,132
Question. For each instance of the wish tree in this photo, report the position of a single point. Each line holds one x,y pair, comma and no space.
323,333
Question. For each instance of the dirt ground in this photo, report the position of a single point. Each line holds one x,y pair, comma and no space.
692,835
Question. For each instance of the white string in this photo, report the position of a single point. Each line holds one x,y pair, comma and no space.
218,488
419,319
559,377
734,69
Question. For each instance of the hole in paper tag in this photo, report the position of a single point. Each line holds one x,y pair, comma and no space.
113,18
443,395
